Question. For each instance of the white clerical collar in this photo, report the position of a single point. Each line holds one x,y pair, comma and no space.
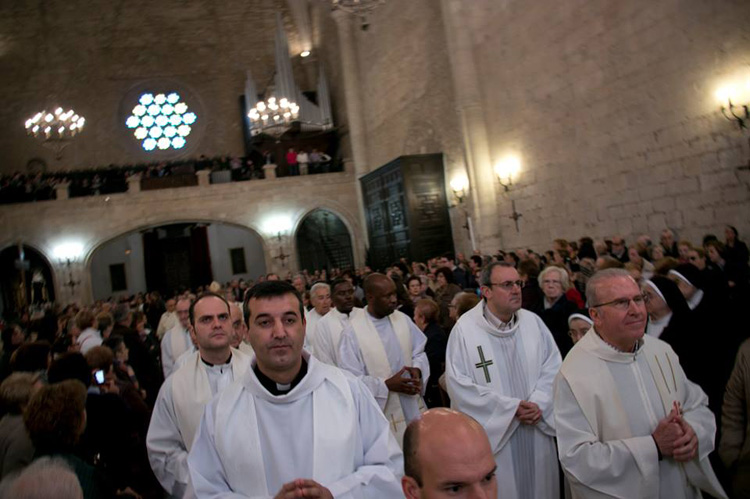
375,319
696,299
636,348
495,321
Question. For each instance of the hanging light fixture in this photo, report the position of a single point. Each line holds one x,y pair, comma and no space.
55,129
273,117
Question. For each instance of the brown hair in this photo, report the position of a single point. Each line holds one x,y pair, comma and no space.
55,416
100,357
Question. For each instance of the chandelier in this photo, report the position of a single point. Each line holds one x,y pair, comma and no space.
357,7
273,117
55,129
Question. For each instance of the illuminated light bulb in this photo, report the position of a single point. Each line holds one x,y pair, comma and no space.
35,129
287,114
284,102
141,133
173,97
81,121
37,117
139,110
147,121
58,111
61,130
75,117
48,130
175,119
189,118
276,117
155,132
180,107
29,123
146,99
154,109
184,130
132,122
264,117
167,109
271,100
261,107
170,131
305,53
178,142
49,118
160,99
162,120
149,144
164,143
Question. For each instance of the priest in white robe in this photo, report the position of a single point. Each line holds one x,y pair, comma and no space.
501,364
168,319
320,299
629,423
326,335
385,349
292,424
183,395
177,341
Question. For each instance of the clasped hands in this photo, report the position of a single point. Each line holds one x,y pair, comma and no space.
407,381
675,438
528,413
303,488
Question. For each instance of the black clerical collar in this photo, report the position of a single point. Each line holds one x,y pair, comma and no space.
275,388
223,363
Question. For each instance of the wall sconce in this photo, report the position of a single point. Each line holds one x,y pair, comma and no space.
506,169
460,187
279,225
733,112
67,254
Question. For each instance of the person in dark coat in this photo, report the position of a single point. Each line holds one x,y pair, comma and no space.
426,313
532,297
556,308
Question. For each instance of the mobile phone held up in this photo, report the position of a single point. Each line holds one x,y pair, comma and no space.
99,377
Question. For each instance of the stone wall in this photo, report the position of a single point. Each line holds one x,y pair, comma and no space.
610,107
92,56
262,206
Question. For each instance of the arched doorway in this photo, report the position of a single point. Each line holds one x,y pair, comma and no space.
173,257
324,242
26,280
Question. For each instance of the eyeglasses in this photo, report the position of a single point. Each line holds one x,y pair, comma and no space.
624,303
508,285
551,281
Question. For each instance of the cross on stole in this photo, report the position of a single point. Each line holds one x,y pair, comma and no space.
484,364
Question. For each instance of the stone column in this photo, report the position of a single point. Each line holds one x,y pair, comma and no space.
134,184
269,171
483,199
353,98
204,178
61,190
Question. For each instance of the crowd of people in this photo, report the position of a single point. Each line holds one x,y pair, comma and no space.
623,364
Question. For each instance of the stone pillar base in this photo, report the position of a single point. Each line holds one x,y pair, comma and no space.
134,184
204,177
61,190
269,171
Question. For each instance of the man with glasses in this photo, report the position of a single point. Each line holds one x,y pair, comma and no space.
629,423
500,368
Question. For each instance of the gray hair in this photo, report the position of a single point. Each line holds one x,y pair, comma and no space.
485,279
597,280
46,477
319,285
121,311
564,279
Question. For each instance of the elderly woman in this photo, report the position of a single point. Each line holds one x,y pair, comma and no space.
556,308
637,258
446,288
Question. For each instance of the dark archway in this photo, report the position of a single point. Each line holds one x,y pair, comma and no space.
37,287
324,242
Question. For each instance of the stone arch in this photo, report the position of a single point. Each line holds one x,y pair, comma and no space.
94,267
334,249
36,291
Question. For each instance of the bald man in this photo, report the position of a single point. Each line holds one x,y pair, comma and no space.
448,454
239,328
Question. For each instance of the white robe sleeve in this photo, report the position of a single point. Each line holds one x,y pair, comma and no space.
380,463
167,358
350,359
166,451
322,344
418,357
206,469
617,468
494,411
543,393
